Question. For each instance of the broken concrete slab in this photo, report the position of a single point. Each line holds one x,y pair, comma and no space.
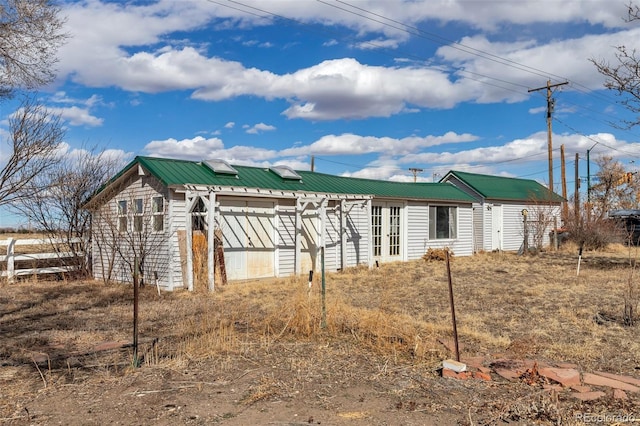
596,380
588,396
508,374
565,376
620,394
626,379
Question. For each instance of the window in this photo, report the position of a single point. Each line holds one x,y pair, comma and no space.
394,231
376,222
122,216
157,209
442,222
137,214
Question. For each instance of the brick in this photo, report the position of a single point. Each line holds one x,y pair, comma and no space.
620,394
464,375
565,376
454,365
596,380
482,376
588,396
626,379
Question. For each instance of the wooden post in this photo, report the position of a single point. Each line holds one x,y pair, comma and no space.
11,265
135,312
525,243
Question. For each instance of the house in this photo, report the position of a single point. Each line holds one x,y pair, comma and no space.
503,205
629,223
272,222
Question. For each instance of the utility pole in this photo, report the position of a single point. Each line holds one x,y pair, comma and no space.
550,104
577,195
565,207
415,172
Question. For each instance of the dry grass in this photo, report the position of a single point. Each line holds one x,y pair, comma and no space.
518,306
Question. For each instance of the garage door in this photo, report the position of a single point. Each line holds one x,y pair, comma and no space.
248,231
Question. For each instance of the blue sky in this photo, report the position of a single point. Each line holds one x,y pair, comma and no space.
368,88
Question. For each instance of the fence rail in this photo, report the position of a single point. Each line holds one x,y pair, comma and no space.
11,258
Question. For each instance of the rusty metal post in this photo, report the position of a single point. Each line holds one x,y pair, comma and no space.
135,312
453,309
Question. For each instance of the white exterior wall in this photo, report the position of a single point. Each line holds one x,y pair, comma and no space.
357,235
286,232
417,229
332,238
512,227
478,227
176,213
418,241
112,245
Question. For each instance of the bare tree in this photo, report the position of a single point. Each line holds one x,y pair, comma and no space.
615,188
35,136
623,76
30,35
129,224
58,194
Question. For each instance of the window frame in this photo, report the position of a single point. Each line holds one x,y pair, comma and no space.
435,227
138,215
157,215
123,219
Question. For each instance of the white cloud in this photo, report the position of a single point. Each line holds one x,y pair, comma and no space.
259,128
352,144
229,125
199,148
145,58
76,116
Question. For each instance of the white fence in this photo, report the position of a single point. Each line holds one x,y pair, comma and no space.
11,258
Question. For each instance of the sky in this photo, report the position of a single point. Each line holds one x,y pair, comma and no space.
367,88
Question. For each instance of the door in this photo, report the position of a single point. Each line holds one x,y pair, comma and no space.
248,233
386,231
496,227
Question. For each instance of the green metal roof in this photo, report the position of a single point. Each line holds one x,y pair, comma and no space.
505,188
182,172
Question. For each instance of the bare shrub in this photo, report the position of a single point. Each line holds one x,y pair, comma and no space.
595,234
437,254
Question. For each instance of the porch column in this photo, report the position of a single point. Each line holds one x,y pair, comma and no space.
343,234
211,222
298,232
191,200
369,234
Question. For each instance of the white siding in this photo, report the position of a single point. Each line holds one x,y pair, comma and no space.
117,247
417,229
332,238
478,227
286,230
176,213
357,235
462,245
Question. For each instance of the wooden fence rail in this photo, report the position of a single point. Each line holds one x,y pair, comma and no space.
11,258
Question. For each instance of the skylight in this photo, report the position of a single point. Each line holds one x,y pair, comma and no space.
221,166
286,172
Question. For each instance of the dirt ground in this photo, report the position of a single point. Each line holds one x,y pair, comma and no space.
53,369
